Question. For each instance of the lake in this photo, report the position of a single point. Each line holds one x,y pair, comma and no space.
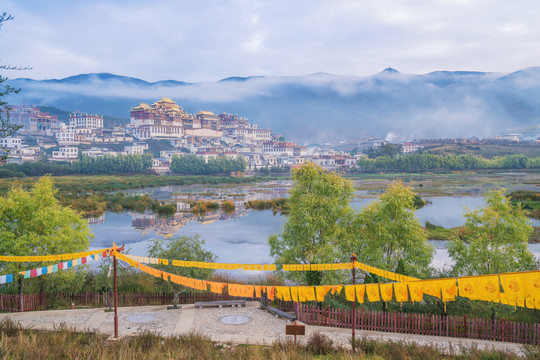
241,237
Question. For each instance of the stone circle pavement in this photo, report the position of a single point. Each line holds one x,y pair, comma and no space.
262,327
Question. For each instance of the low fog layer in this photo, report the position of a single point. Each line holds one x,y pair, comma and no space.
321,107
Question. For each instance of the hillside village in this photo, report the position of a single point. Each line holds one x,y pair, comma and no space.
204,134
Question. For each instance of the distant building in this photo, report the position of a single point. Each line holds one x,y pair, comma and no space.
135,149
162,119
409,147
11,142
65,153
87,121
33,120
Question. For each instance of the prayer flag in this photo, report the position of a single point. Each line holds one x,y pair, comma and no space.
360,293
350,292
386,291
448,289
416,289
401,292
372,291
294,293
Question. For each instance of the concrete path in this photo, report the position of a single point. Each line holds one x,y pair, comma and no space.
261,327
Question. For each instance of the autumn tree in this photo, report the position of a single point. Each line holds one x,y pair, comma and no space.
496,238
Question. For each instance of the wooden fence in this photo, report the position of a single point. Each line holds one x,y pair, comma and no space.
421,324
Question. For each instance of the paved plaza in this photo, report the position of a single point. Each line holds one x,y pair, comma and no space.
240,325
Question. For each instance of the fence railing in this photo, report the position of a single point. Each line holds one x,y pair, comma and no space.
421,324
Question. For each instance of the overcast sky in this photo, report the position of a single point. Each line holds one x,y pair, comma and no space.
201,41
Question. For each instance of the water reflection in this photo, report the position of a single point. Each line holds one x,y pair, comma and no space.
241,235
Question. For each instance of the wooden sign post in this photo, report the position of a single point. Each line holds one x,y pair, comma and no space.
295,329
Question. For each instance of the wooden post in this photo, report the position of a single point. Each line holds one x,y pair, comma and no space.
353,259
115,301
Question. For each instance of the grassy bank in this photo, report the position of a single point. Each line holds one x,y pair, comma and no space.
20,343
111,182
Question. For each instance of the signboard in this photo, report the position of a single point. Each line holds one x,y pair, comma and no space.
295,329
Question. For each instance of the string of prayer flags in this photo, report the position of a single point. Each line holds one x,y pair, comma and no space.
47,258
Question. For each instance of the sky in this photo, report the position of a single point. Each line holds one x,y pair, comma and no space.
205,41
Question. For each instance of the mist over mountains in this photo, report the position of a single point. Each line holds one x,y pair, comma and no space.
321,107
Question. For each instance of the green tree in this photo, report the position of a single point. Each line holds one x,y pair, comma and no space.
316,225
182,248
389,235
495,240
34,223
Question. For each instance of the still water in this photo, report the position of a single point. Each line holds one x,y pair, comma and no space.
241,236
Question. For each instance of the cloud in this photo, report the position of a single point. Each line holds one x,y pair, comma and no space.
209,40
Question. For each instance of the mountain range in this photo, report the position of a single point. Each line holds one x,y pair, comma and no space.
321,107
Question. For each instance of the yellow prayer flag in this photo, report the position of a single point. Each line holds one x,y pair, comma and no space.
270,292
532,283
227,266
320,267
245,267
273,267
335,266
259,290
416,289
310,293
360,293
488,288
294,293
307,267
337,289
467,288
286,268
213,266
293,267
401,292
327,266
386,291
372,291
258,267
513,287
448,289
266,267
350,292
321,292
302,297
433,288
343,266
529,303
252,267
537,303
285,292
